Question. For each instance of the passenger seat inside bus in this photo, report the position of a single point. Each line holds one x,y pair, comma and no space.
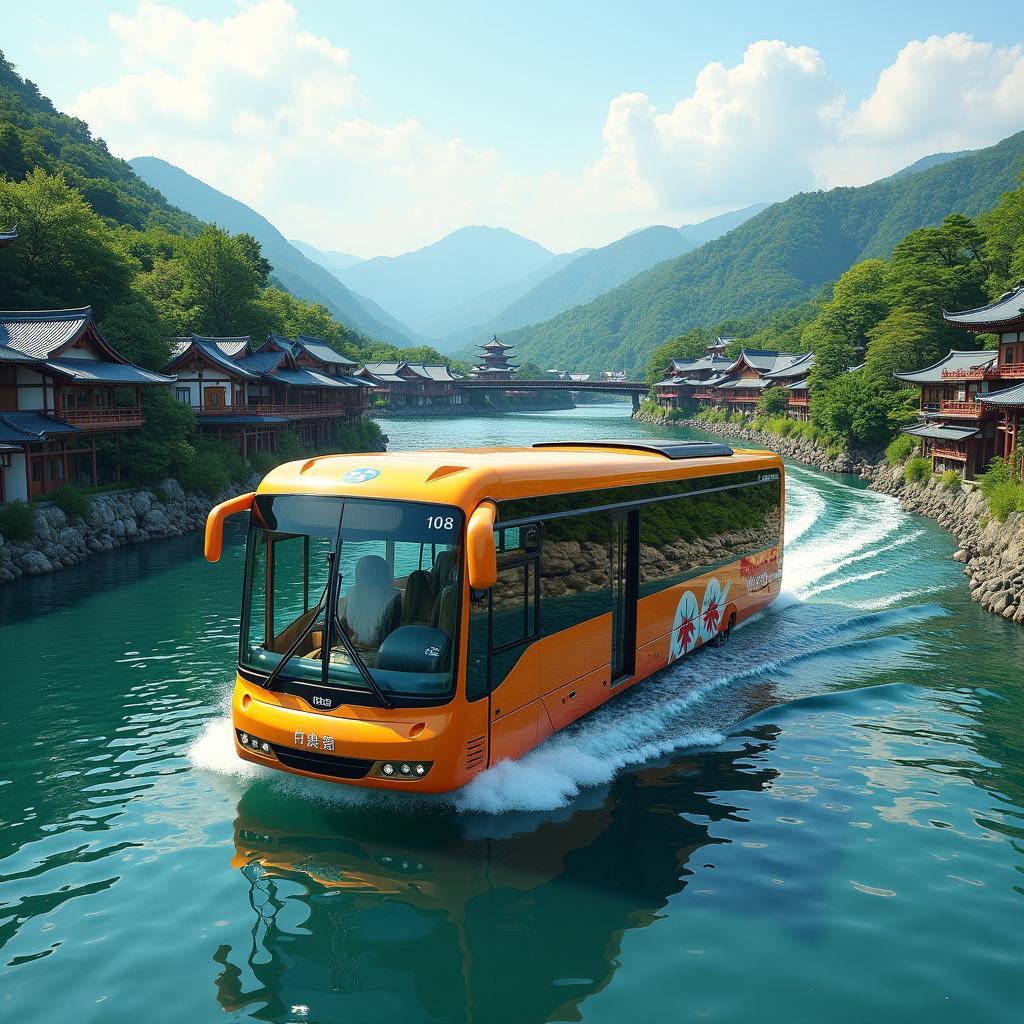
446,592
372,608
418,600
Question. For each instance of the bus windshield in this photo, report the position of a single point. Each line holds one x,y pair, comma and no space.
342,588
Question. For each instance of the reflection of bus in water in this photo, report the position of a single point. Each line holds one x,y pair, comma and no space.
364,915
410,619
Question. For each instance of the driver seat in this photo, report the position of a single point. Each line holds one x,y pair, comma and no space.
372,608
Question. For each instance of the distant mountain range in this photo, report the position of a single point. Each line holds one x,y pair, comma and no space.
780,257
299,274
329,259
586,275
429,288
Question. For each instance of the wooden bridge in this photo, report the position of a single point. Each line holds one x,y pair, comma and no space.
637,390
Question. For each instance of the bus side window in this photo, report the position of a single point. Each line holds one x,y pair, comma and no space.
514,605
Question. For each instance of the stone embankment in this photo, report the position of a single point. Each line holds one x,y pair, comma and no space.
992,552
115,519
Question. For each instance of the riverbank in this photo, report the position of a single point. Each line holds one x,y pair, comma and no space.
992,552
115,520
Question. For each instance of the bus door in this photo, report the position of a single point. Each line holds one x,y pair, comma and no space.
625,556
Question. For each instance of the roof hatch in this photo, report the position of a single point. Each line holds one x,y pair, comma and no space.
667,449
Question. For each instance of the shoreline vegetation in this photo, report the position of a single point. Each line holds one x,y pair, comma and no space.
989,528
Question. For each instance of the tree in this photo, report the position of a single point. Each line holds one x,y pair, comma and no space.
65,256
136,329
163,442
773,402
1004,241
219,284
905,340
253,252
686,346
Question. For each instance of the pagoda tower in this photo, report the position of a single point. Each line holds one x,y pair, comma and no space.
494,364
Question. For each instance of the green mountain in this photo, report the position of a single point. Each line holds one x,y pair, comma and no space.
429,287
300,275
779,258
33,133
584,276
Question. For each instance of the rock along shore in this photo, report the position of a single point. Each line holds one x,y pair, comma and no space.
115,519
992,552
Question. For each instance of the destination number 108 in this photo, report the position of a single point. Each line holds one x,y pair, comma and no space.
440,522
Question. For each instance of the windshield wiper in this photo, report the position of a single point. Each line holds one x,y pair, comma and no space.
300,639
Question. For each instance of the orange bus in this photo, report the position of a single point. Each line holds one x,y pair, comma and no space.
409,619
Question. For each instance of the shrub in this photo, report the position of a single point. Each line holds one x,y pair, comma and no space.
951,480
158,494
205,472
261,463
17,521
1005,498
899,450
738,417
289,447
917,469
999,472
71,500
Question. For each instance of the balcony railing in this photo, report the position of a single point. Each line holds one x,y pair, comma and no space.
1011,370
961,408
102,419
295,412
949,453
973,373
800,400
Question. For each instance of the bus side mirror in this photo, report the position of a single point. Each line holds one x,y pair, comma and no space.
481,558
215,523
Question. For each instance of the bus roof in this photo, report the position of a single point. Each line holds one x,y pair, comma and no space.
465,476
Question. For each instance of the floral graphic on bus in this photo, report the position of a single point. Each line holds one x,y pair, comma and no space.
712,608
685,627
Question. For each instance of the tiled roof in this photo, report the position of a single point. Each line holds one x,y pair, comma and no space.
213,353
32,335
433,371
703,363
385,367
495,345
99,371
941,431
304,378
765,360
261,362
1011,396
797,366
30,427
1007,308
233,347
321,350
953,360
8,236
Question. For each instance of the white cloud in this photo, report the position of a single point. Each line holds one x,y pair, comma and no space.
272,114
945,93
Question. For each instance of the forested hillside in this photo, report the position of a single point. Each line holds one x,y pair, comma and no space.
301,275
779,258
34,134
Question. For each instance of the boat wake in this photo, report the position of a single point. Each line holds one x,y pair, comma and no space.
847,549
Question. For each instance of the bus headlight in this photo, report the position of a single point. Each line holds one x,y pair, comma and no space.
407,771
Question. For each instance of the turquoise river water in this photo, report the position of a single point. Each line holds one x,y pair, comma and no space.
821,821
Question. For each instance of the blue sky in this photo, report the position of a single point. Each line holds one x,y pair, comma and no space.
378,127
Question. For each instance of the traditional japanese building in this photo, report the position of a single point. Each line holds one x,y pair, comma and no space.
683,376
249,395
62,388
494,363
970,404
8,237
401,384
793,377
739,386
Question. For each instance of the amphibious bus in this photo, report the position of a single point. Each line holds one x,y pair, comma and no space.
409,619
